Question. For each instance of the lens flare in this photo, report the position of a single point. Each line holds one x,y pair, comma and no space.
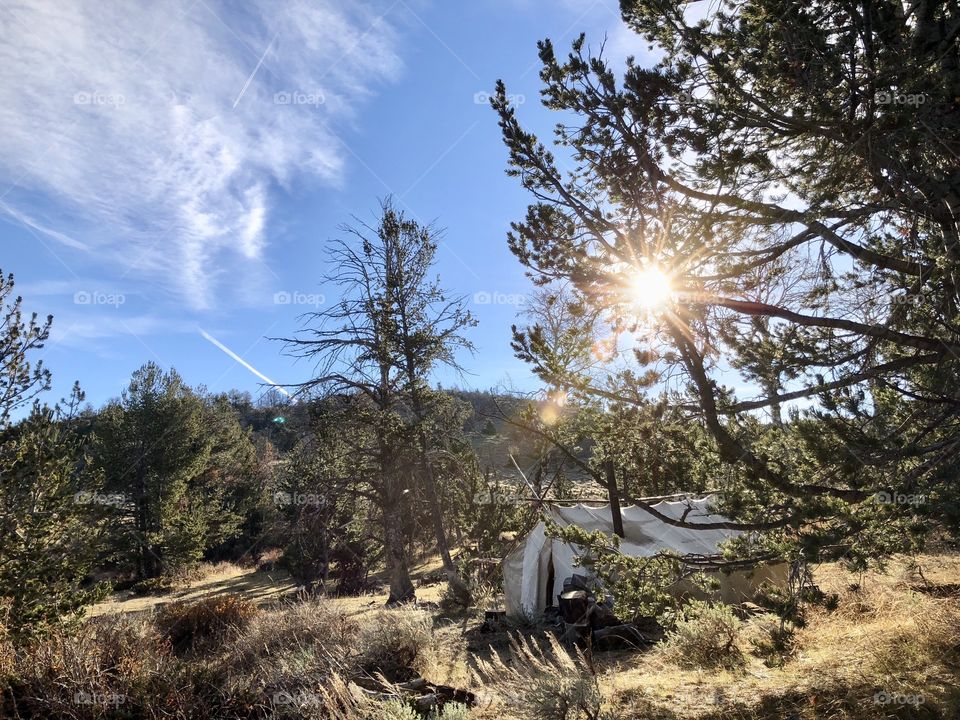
650,288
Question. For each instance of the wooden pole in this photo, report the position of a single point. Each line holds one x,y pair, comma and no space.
614,495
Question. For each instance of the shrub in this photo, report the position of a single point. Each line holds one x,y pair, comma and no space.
205,624
480,597
706,636
160,585
108,667
397,710
771,639
270,560
557,697
452,711
396,641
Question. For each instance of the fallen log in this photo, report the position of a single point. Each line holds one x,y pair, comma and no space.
414,685
620,637
418,692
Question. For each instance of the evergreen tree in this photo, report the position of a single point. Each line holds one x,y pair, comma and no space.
425,333
170,458
377,347
787,173
48,524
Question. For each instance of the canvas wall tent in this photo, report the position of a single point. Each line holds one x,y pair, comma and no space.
526,570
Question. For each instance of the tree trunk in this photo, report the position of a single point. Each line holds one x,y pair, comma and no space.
401,586
460,589
614,494
148,564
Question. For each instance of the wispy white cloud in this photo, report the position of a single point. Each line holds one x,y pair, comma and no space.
622,42
95,331
29,222
161,129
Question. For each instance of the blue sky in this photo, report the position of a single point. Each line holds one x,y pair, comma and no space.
172,172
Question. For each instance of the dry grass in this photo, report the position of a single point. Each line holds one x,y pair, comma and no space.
884,641
306,628
395,642
216,658
542,681
98,671
893,637
707,636
6,646
218,579
206,623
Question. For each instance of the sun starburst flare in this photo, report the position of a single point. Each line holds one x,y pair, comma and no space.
650,288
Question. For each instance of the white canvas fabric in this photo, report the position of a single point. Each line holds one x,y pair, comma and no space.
526,568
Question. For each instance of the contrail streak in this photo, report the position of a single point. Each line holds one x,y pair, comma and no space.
237,358
249,79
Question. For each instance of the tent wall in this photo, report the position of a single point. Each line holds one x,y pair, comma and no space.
525,570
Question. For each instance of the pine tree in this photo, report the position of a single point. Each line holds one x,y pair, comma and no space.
48,524
790,171
170,457
377,347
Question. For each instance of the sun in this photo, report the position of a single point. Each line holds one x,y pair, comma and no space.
650,288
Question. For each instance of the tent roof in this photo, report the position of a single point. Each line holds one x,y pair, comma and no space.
644,533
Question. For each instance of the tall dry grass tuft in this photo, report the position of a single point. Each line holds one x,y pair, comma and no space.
116,667
396,642
7,654
289,661
204,625
769,638
908,638
277,664
544,681
287,656
7,657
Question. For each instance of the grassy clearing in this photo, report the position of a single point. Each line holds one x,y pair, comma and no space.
208,580
891,649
